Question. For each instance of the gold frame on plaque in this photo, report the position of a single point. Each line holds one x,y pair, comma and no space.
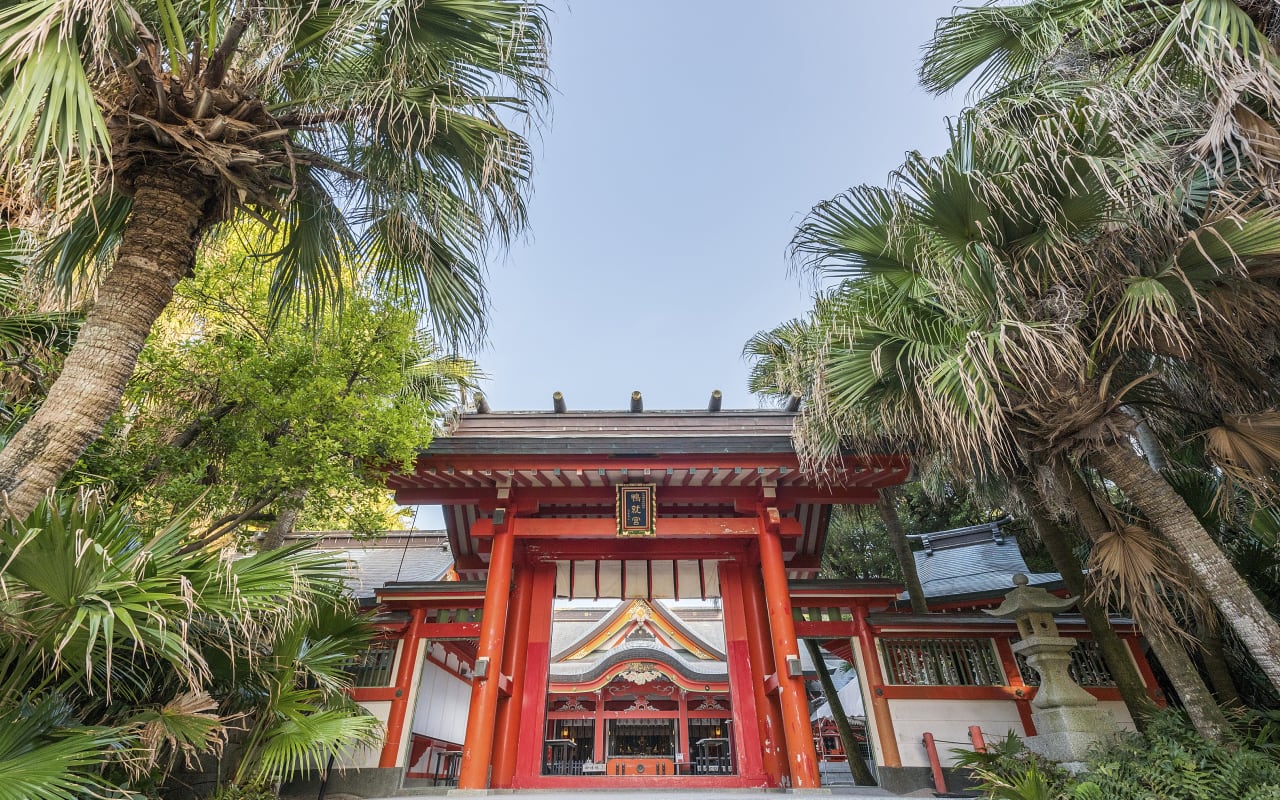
628,494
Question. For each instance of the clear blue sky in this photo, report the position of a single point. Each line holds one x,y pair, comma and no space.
687,140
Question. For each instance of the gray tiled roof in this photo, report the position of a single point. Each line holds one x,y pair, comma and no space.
398,556
973,561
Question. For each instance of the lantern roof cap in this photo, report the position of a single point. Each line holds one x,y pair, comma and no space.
1025,600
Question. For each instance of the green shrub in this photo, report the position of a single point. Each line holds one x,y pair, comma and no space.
1170,761
1009,771
231,791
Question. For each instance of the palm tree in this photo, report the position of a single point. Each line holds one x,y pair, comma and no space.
1217,56
107,638
1001,303
326,134
852,752
299,710
31,338
782,363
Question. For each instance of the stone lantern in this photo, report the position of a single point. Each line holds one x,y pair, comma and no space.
1067,718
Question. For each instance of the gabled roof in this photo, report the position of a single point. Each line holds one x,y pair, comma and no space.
973,562
638,621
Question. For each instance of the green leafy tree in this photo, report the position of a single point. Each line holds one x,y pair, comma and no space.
334,137
250,421
858,545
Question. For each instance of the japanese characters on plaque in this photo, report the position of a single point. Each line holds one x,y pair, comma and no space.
637,509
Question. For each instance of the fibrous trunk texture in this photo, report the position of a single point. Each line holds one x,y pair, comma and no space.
1112,648
157,249
902,550
861,772
1206,715
1256,629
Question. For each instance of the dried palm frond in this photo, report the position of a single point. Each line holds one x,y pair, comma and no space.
1247,448
188,725
1129,567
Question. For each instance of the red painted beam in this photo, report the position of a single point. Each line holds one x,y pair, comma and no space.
607,528
636,549
591,784
449,630
532,496
825,630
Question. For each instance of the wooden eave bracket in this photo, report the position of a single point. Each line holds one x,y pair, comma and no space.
504,685
771,684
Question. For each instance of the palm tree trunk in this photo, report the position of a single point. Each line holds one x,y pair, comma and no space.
1165,508
290,508
1148,441
902,550
157,248
1113,650
1213,654
1206,715
861,772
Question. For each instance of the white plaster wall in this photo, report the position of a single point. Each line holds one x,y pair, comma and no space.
406,741
362,757
1120,712
442,704
949,721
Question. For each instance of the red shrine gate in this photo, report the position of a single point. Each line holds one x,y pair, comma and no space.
539,507
531,503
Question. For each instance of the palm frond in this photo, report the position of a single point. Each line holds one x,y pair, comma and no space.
305,742
45,756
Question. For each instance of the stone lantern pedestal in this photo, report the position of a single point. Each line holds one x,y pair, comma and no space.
1067,718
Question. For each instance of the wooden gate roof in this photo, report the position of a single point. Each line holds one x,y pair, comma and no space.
566,465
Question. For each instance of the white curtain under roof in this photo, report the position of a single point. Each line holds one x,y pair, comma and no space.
646,579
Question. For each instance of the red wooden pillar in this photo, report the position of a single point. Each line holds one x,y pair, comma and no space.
1144,668
513,664
477,750
802,759
597,750
760,650
885,735
538,665
404,684
1014,676
682,735
746,731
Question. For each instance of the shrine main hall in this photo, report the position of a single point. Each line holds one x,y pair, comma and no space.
619,600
